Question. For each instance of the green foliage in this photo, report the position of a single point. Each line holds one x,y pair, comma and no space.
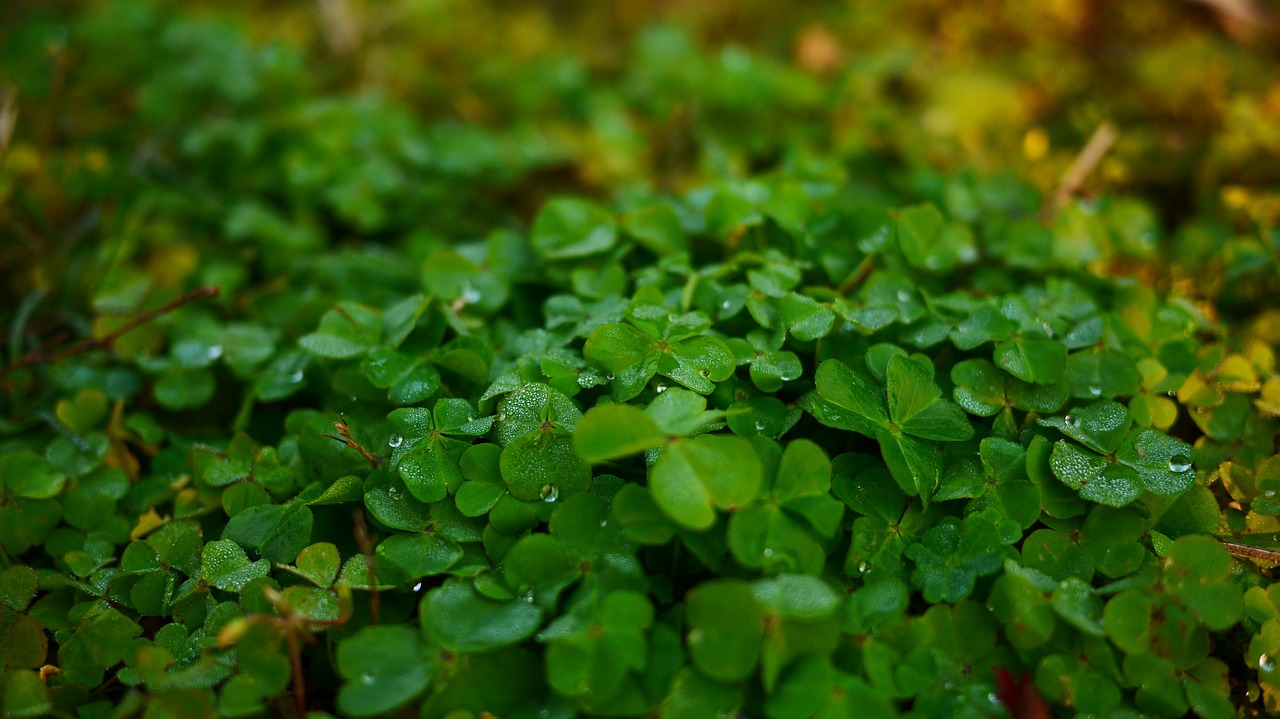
673,380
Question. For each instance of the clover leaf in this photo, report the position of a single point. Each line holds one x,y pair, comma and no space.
654,344
385,668
783,529
694,477
903,417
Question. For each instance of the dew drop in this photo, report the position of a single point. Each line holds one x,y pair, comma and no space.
1269,494
759,425
367,679
528,597
862,567
725,305
768,552
1072,420
550,492
704,373
214,352
393,493
1179,463
502,416
396,440
1095,390
993,698
470,295
1048,328
662,387
417,587
611,376
604,523
1266,663
296,377
903,295
586,380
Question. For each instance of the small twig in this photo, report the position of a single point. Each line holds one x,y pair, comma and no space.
106,341
365,543
341,32
295,659
344,436
1248,551
8,118
858,276
1084,165
1242,19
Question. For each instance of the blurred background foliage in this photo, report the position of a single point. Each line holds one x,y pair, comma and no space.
141,134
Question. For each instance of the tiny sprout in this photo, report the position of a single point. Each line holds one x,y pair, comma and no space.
232,632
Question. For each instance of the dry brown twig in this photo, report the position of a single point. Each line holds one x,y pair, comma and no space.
8,118
1085,163
1248,551
341,30
105,342
344,436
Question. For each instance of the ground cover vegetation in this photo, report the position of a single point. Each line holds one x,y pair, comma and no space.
513,359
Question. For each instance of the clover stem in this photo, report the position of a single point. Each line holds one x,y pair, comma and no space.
365,543
1248,551
106,341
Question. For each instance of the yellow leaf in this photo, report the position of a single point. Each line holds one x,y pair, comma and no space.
1236,374
1269,401
1261,355
146,524
1196,392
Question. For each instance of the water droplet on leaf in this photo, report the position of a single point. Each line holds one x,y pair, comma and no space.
611,377
367,679
396,440
759,425
214,352
1095,390
417,587
662,387
296,377
1179,463
550,493
903,295
1266,663
1072,420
